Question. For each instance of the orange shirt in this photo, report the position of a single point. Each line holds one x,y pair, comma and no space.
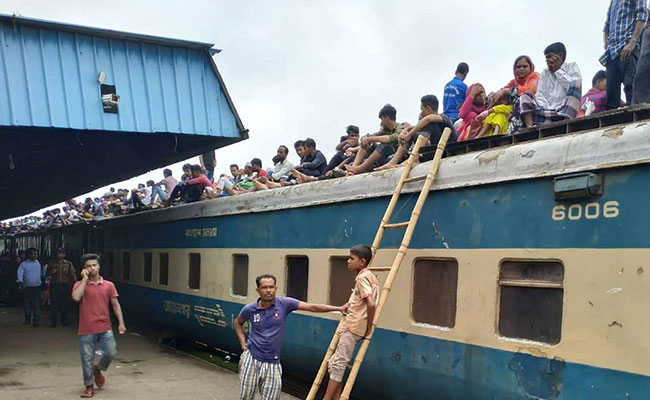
365,284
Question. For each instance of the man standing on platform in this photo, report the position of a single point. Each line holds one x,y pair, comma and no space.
259,365
93,294
62,276
30,277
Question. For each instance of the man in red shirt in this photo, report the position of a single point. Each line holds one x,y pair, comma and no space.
93,294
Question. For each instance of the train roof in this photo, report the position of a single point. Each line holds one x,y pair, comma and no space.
545,151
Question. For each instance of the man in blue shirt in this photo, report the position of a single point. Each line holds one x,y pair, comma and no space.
30,276
259,365
455,92
623,27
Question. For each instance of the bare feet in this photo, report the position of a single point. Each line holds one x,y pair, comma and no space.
302,178
259,185
354,169
386,166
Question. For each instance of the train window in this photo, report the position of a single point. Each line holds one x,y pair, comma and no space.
126,265
110,268
147,266
297,277
195,271
163,269
240,274
435,284
530,304
341,280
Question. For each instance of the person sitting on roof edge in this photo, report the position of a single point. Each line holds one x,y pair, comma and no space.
474,105
187,172
525,80
281,171
225,186
558,92
430,126
313,162
351,140
192,189
380,145
496,119
168,182
256,166
595,100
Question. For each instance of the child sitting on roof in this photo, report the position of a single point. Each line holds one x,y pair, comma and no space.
496,119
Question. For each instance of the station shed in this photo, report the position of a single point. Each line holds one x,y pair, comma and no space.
83,107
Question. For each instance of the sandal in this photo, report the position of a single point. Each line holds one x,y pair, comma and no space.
88,393
100,381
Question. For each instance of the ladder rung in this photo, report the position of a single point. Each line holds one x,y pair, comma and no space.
415,179
397,225
380,269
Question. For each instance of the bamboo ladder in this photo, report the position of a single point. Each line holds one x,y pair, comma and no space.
394,268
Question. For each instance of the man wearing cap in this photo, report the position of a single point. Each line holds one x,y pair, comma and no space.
62,275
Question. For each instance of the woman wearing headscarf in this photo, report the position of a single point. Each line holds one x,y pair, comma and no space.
474,105
526,80
525,76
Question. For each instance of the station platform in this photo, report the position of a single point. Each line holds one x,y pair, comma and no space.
43,363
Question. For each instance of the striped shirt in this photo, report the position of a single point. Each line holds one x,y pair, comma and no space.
598,97
622,16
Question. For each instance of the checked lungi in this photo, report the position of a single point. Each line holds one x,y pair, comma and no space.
569,108
254,374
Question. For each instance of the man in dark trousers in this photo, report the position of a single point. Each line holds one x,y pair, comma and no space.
62,276
623,27
93,293
642,80
30,277
209,162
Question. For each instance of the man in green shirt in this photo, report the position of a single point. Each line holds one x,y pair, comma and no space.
379,145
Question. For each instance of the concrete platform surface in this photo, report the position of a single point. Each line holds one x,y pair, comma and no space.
43,363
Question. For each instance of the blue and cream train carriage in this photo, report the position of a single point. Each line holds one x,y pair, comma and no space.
527,276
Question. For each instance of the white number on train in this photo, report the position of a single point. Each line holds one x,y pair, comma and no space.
594,210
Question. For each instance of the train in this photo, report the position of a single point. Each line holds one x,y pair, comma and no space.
526,278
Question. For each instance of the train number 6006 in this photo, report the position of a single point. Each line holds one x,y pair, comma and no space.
594,210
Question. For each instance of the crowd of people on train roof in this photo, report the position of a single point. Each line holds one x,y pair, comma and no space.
470,112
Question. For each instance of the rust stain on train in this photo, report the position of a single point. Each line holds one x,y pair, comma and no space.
488,156
613,133
538,376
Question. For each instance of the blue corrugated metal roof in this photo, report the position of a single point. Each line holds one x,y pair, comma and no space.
49,79
56,139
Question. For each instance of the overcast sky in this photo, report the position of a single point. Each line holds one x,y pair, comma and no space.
298,69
